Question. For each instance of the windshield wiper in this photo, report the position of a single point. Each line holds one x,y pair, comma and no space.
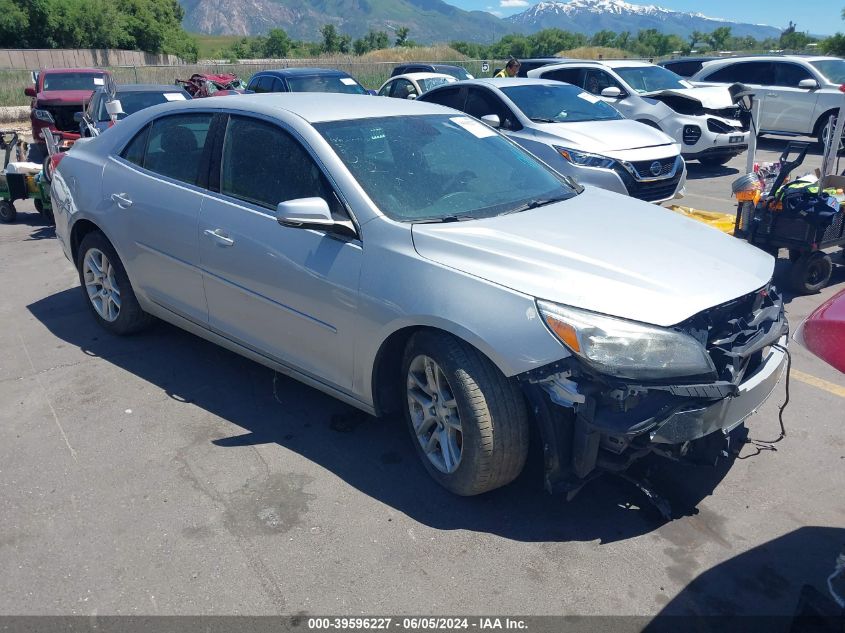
533,204
542,120
444,219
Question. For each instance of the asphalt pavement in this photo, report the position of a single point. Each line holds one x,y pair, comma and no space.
159,474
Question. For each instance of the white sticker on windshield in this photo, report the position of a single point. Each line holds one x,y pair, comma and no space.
99,81
479,130
586,96
174,96
348,81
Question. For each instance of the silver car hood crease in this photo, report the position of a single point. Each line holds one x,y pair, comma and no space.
580,253
609,136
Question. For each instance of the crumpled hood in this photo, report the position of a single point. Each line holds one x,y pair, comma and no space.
63,97
608,136
710,97
603,252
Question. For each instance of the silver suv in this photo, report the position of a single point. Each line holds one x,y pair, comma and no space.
799,95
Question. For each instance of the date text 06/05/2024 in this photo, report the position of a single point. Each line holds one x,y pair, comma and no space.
416,623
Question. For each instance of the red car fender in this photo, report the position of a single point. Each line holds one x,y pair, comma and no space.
823,332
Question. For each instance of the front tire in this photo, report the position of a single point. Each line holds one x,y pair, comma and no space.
8,213
468,422
106,287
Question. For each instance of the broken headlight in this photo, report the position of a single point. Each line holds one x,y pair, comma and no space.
43,115
626,349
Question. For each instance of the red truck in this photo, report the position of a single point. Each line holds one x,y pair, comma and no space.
57,95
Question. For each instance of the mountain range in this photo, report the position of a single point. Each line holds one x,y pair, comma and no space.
438,21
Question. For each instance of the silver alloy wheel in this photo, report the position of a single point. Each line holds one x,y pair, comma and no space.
434,414
98,274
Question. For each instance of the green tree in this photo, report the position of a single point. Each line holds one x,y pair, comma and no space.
14,22
331,38
718,39
402,36
833,45
603,38
278,44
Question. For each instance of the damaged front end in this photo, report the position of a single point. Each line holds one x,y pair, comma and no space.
593,421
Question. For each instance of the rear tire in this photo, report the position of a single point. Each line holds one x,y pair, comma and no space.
8,213
810,273
106,287
485,414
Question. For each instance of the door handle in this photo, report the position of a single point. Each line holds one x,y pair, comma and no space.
121,200
220,237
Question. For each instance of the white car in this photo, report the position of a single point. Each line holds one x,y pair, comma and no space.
574,132
703,119
412,85
798,95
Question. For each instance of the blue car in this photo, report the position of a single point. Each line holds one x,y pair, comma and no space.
305,80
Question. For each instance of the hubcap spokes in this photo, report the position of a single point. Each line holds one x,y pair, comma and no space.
101,285
434,414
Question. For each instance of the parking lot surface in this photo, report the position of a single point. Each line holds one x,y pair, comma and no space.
159,474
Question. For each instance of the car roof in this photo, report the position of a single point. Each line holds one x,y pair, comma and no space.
418,76
767,58
328,107
72,70
686,59
295,72
148,88
506,82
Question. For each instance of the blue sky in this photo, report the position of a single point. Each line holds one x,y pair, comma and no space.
821,17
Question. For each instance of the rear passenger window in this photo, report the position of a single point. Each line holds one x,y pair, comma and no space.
176,146
265,165
789,75
567,75
759,73
134,151
449,97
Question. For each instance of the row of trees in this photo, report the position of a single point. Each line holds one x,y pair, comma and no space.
277,44
154,26
646,43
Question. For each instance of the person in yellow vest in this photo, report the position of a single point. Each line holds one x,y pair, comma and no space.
510,69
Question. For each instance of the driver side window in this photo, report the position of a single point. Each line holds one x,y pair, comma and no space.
402,89
482,102
265,165
597,80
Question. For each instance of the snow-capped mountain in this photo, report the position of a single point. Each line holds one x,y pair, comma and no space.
590,16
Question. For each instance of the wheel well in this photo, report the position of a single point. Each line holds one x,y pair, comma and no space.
818,126
78,233
649,123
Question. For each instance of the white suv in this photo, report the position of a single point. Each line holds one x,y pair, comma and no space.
798,95
703,120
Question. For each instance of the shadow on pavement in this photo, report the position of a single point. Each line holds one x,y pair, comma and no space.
697,171
760,589
375,456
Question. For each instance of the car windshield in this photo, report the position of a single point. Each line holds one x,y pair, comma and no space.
73,81
325,83
432,82
455,71
651,78
832,69
441,167
131,102
560,103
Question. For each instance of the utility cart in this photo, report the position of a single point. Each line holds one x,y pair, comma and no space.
20,184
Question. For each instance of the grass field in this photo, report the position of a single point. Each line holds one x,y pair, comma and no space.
211,45
597,52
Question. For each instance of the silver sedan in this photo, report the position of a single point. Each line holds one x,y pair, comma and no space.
404,257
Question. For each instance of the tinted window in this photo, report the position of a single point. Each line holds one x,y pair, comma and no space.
73,81
743,72
419,168
277,85
280,170
482,102
684,68
450,97
176,145
458,72
788,75
264,84
402,89
325,83
132,102
134,151
597,80
559,103
568,75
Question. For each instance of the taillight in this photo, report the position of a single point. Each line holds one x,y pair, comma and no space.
55,159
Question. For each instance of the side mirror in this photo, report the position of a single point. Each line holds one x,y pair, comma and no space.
30,92
612,92
808,84
492,120
311,213
411,96
79,117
